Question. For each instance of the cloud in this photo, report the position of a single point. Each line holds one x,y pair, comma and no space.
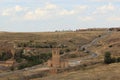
87,18
6,12
104,9
40,13
50,6
36,14
48,10
105,0
12,11
51,11
115,18
76,10
18,8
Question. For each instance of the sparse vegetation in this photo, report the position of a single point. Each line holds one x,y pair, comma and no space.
107,58
34,60
41,44
110,46
72,56
105,72
118,59
5,56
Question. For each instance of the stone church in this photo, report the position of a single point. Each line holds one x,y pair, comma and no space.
56,61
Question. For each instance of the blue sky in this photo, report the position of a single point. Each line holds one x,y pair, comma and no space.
51,15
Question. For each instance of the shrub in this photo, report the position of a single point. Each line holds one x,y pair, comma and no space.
5,55
34,60
107,58
113,60
99,35
110,46
67,50
118,59
73,56
83,49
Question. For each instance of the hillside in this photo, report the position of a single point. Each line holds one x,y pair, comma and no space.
95,72
96,69
109,44
69,40
92,68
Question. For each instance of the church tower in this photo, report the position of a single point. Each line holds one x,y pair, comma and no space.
56,57
13,50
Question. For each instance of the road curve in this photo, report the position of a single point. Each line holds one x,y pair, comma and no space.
94,42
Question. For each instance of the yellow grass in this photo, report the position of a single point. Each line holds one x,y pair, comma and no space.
98,72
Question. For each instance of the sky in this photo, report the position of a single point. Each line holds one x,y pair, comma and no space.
51,15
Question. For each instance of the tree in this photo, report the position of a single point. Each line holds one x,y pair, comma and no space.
107,58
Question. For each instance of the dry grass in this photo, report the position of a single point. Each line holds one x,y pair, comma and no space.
110,43
70,39
97,72
48,35
13,77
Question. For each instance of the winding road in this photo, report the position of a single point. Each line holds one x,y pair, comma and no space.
85,48
94,42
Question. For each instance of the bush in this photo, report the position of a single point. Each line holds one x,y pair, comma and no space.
118,59
73,56
67,50
107,58
34,60
113,60
22,66
99,35
110,46
5,55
